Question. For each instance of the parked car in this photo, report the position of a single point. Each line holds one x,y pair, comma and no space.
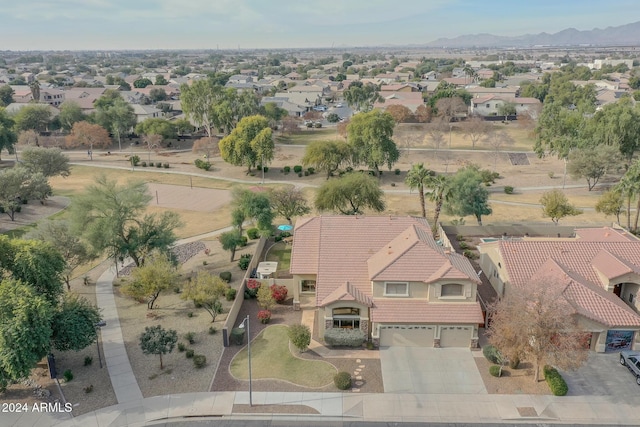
631,360
338,105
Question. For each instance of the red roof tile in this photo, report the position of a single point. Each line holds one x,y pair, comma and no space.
400,310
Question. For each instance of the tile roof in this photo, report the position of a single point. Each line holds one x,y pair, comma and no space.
582,260
338,250
420,311
347,292
587,298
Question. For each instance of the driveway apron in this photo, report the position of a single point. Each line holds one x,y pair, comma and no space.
430,371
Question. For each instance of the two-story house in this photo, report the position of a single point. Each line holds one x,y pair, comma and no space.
598,269
388,277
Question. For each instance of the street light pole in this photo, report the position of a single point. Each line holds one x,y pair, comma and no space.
245,324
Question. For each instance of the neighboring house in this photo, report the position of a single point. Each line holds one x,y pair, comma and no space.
53,97
411,100
282,102
598,271
144,112
403,87
388,277
490,105
84,97
509,91
598,63
15,107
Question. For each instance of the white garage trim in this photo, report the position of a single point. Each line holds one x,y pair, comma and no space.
456,336
407,335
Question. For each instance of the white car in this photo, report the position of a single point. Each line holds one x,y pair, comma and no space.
339,105
631,360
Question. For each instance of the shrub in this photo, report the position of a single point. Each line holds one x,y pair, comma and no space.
244,261
495,370
253,233
340,337
199,361
342,380
230,294
181,347
143,164
508,189
299,174
492,354
159,165
201,164
514,363
135,160
393,184
311,171
460,238
205,262
88,389
557,384
189,353
297,168
397,171
309,124
306,173
464,245
190,314
191,337
470,254
278,292
88,360
551,174
68,375
370,345
264,316
317,125
243,241
212,330
300,336
176,289
165,165
253,286
226,276
287,169
151,164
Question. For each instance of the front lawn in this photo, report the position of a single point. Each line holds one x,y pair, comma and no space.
272,359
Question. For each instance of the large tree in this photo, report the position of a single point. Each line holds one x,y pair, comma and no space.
611,203
255,206
112,218
593,163
629,188
326,156
361,97
417,177
350,195
198,100
400,113
289,203
149,280
6,95
34,117
468,195
115,114
25,330
73,249
476,129
206,290
556,206
47,161
74,324
618,125
18,185
156,126
537,324
8,136
249,143
88,135
230,241
70,113
440,187
157,340
370,137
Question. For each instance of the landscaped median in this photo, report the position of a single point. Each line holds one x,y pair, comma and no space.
271,358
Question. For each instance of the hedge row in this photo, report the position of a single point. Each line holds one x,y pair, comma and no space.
340,337
557,384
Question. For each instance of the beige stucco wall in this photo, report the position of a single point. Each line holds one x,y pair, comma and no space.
326,313
430,292
490,259
296,283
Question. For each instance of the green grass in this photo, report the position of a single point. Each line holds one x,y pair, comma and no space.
272,359
280,253
307,136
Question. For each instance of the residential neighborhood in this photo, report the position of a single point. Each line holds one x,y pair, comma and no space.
322,230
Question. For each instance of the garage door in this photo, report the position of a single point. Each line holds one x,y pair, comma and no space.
407,335
455,336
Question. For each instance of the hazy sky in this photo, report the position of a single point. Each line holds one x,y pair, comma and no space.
195,24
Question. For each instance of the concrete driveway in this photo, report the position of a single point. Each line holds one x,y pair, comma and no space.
430,371
602,375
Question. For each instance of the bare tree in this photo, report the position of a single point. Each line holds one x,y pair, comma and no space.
206,146
497,140
153,142
29,138
449,108
535,323
436,134
475,129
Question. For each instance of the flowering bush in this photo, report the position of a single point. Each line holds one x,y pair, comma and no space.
252,287
264,316
278,292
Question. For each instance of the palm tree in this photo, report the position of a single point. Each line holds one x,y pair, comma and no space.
417,178
629,187
35,90
439,185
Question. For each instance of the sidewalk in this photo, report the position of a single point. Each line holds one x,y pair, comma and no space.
444,408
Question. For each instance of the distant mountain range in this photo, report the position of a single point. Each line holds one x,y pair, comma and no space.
623,35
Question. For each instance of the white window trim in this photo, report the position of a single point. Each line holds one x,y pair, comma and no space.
406,294
463,296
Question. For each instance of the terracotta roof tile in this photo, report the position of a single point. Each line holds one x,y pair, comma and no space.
347,292
420,311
